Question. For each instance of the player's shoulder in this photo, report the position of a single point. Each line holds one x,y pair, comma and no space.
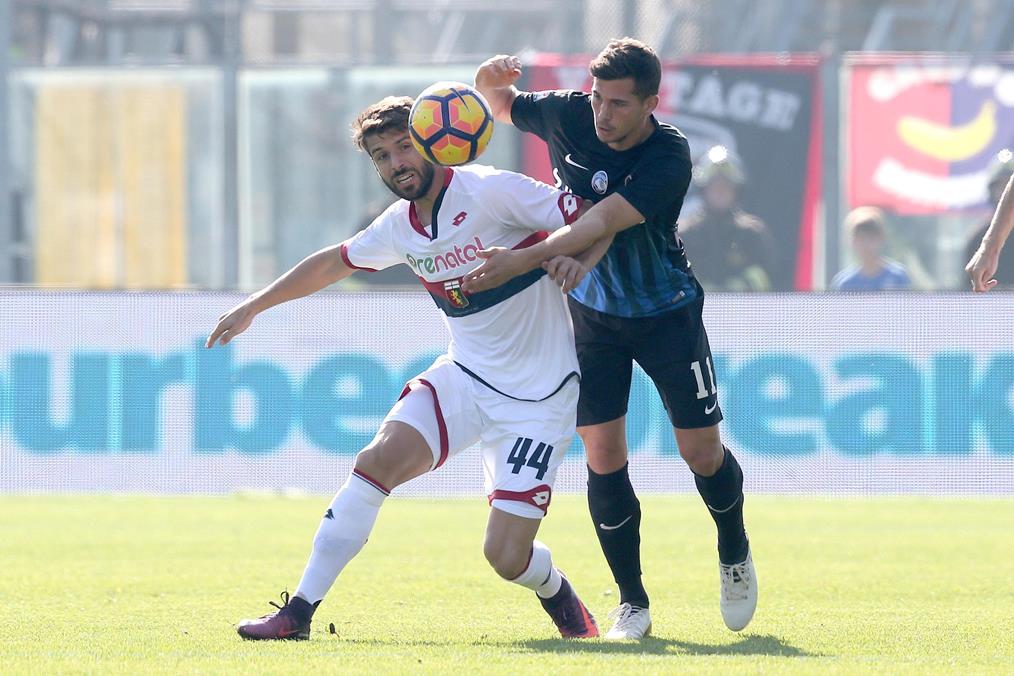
486,177
485,184
557,96
397,210
669,141
478,178
470,172
563,105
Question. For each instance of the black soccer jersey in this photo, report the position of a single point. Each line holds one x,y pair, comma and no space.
645,272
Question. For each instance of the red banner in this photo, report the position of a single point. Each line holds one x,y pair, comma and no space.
921,134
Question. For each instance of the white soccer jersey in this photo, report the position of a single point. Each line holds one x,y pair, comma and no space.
516,338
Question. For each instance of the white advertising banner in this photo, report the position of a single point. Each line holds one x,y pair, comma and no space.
835,394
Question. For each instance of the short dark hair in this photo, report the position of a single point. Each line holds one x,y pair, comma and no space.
632,58
383,116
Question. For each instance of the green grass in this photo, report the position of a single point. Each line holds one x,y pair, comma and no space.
129,585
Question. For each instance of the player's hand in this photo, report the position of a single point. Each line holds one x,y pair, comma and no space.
565,271
232,323
981,269
499,265
498,72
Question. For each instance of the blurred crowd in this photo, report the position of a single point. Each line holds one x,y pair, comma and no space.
732,250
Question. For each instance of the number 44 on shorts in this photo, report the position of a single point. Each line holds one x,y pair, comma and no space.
538,460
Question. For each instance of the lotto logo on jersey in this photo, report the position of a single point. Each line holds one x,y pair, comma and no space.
454,293
570,207
541,498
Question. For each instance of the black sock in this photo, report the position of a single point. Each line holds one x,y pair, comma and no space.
723,494
616,514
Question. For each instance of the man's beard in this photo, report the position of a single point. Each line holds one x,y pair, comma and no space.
425,181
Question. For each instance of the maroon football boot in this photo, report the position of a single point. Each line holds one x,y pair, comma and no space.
569,614
290,622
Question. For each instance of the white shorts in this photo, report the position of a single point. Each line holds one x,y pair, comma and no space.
523,443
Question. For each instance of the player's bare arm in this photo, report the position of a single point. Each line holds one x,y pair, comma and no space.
568,271
312,274
984,263
605,219
495,80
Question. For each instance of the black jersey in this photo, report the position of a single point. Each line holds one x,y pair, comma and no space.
645,272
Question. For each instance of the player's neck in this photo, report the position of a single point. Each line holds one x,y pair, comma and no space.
424,205
636,137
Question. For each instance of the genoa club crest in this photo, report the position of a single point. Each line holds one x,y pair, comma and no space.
454,293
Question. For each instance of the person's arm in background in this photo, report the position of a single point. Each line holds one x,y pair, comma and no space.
984,263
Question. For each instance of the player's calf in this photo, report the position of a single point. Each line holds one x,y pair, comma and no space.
537,572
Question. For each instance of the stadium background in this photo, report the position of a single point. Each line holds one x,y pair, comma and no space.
160,155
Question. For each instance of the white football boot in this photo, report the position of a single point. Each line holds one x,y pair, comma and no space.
631,622
739,592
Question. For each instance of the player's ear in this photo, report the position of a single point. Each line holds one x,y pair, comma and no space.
651,103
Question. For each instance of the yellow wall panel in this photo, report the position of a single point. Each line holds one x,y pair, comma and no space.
111,185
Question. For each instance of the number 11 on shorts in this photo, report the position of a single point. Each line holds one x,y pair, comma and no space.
702,388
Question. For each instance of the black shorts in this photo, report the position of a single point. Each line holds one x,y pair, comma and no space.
671,348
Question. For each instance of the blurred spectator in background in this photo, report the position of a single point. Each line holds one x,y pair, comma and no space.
873,270
729,249
989,264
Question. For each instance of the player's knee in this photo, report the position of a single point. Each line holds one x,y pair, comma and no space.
703,458
606,458
507,561
380,462
605,447
392,459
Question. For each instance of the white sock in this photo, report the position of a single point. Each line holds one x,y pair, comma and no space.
540,575
343,532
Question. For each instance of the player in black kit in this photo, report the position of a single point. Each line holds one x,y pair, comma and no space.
640,303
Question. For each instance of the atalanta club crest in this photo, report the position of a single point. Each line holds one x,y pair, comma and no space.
600,182
454,293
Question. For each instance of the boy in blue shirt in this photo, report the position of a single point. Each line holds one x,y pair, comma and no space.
873,271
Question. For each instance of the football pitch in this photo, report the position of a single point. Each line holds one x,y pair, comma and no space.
136,585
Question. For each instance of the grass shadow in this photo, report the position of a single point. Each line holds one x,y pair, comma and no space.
752,644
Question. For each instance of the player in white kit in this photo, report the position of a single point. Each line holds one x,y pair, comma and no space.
509,379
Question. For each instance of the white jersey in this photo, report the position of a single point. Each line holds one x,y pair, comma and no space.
516,338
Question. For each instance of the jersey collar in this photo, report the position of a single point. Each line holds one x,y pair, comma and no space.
413,213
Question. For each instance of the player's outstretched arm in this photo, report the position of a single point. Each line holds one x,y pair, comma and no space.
495,80
605,219
984,263
312,274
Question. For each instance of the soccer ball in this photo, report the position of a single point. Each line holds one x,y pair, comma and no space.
450,123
